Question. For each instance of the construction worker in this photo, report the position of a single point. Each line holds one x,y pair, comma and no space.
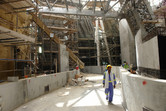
106,68
109,82
125,65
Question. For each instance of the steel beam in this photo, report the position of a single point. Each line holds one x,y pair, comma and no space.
48,4
108,4
66,5
94,6
112,6
84,5
80,5
57,10
54,3
101,4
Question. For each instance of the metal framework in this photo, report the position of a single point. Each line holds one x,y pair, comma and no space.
57,10
139,15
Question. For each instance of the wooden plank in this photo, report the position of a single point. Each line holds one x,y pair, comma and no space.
5,36
53,16
18,4
18,41
57,51
13,43
30,3
161,10
56,39
75,51
9,1
9,39
147,109
16,35
68,22
45,28
69,33
16,44
150,21
85,39
50,51
75,58
62,29
86,48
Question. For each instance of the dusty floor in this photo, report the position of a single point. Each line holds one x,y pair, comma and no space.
88,97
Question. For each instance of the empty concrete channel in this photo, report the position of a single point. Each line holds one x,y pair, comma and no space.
88,96
68,55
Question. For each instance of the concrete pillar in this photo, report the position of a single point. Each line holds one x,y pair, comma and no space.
64,58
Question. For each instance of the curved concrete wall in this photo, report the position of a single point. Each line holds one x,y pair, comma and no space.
139,92
127,43
13,94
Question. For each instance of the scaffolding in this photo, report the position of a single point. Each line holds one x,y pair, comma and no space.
36,42
17,36
86,44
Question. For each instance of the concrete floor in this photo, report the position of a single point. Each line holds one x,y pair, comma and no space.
88,97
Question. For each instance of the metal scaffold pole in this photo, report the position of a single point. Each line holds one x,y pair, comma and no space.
105,40
36,33
97,42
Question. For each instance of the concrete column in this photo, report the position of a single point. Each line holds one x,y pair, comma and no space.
64,58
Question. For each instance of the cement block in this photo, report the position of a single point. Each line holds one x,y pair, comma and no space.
12,79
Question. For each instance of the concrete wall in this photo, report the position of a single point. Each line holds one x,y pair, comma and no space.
127,43
139,92
94,69
14,94
64,58
147,53
97,69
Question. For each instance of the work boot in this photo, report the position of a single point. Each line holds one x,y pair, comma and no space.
110,102
106,98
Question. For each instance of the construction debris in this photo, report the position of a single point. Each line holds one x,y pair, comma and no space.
78,80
